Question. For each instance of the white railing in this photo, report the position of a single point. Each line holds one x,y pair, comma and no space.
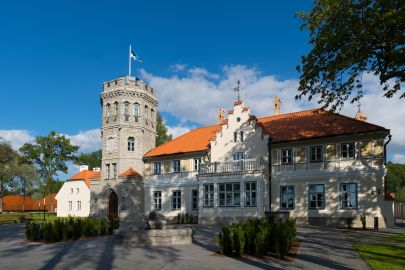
172,176
240,166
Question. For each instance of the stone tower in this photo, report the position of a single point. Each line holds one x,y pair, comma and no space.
129,125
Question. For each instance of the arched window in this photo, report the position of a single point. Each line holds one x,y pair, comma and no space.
115,108
131,144
107,110
137,110
152,114
146,110
126,108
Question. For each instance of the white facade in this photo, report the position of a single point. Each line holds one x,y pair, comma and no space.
73,199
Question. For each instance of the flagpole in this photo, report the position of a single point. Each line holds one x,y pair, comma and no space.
129,61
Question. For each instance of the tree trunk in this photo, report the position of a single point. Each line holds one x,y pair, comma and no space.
50,201
1,194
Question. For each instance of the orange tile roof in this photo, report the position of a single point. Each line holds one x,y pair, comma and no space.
312,124
193,141
281,128
237,102
130,172
86,175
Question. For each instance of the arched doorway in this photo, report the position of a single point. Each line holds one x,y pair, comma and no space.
112,205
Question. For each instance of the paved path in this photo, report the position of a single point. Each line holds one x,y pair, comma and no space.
320,249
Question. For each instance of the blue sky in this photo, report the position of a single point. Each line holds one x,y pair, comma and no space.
54,56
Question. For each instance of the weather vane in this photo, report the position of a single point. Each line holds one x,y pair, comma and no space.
237,89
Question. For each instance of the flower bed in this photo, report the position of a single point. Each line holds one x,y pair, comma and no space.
257,237
69,228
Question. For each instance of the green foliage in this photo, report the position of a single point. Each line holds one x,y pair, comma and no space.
349,222
349,38
363,218
49,154
383,256
396,180
92,159
69,228
8,159
257,237
161,131
185,218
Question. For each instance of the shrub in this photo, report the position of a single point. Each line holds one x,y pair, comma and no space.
239,240
349,222
363,218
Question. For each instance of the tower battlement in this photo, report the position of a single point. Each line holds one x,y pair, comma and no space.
131,82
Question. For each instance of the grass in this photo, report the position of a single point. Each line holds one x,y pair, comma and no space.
395,238
383,256
40,217
37,216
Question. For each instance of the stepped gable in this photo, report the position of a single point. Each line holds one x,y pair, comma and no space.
130,172
311,124
86,175
196,140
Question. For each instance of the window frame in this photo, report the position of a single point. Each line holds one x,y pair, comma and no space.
176,199
70,205
249,192
79,205
321,153
316,200
196,165
356,192
241,136
131,144
137,109
194,199
348,150
126,108
290,156
157,200
114,167
155,171
107,166
235,136
208,195
174,168
232,193
282,195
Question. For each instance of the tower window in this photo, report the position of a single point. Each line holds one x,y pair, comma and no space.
241,136
107,110
137,110
235,136
131,144
146,110
114,170
126,108
115,108
107,169
152,114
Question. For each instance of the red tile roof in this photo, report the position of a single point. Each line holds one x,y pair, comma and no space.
312,124
193,141
281,128
86,175
130,172
237,102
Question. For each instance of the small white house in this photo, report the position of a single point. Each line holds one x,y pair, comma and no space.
74,196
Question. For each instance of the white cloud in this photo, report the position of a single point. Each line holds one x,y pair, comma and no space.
178,67
176,131
398,158
197,94
16,137
88,141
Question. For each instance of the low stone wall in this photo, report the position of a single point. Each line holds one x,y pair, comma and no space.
166,237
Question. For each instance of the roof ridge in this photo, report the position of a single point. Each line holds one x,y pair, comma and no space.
291,113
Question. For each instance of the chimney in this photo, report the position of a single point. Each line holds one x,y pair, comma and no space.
277,103
83,168
96,169
221,115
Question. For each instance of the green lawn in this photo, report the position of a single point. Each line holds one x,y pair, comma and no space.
383,256
395,238
35,216
40,216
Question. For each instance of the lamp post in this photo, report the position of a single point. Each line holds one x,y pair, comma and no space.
44,208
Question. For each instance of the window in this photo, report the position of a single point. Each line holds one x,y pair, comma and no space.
137,110
157,167
107,169
114,170
126,108
286,156
287,197
115,108
235,136
152,114
176,165
71,191
79,205
250,194
229,194
176,200
316,153
208,195
194,199
146,110
347,150
77,190
316,196
70,205
157,200
131,144
238,156
241,136
196,165
348,196
107,110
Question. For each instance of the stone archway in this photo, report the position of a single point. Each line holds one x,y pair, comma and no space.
112,205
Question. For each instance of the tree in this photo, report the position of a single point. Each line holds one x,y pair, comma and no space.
396,179
161,131
49,154
349,38
24,178
8,158
92,159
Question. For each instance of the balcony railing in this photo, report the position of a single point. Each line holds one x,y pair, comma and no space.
233,167
171,176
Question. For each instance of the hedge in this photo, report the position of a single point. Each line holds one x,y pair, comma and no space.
69,228
257,237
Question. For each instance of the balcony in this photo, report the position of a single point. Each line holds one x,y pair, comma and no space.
245,166
171,176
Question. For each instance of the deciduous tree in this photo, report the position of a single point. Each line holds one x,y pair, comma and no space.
161,131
